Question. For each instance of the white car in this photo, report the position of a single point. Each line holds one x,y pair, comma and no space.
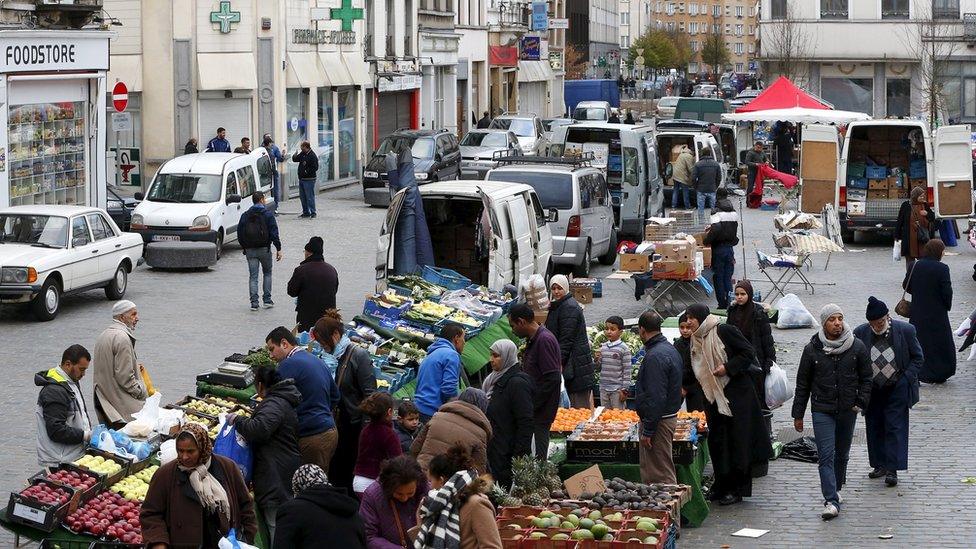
50,251
528,128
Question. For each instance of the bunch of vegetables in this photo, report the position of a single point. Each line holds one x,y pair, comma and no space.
259,357
419,288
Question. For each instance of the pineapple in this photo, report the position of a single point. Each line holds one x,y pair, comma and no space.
502,498
534,499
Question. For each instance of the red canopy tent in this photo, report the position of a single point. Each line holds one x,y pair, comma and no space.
783,94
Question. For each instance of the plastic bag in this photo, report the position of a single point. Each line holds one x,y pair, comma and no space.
167,451
778,388
896,251
536,293
232,445
802,449
144,421
792,314
230,541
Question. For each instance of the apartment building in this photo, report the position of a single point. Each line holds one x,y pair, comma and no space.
594,28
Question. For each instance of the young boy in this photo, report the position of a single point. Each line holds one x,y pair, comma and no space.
408,418
690,388
615,369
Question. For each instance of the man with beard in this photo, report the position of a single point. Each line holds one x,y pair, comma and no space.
119,387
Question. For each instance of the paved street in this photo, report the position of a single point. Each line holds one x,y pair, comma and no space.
190,321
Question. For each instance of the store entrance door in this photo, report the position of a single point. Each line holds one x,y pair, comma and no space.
394,112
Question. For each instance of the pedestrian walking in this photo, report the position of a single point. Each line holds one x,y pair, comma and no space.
378,441
191,146
567,324
724,364
461,420
754,158
257,232
681,170
930,286
752,321
691,390
510,411
913,226
219,144
438,374
318,509
485,121
658,400
614,360
706,177
63,424
541,362
245,147
317,436
407,424
722,235
389,506
896,358
314,285
277,159
119,387
272,434
308,167
835,376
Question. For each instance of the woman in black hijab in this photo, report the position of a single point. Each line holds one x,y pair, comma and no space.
752,321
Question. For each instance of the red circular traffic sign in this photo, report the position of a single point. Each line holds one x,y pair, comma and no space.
120,96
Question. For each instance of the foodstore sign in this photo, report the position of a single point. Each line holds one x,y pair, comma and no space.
52,54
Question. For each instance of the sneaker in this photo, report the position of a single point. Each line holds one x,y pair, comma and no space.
254,306
830,511
840,497
891,479
304,215
268,304
312,216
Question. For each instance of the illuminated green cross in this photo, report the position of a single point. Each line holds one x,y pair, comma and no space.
225,17
347,14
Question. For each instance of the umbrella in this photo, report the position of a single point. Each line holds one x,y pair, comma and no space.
798,115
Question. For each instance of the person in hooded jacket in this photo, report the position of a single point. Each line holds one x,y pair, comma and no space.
722,235
461,420
314,285
319,515
690,388
510,411
566,322
752,321
272,433
63,425
438,374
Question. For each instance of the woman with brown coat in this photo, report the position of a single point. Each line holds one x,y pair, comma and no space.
195,500
914,226
461,420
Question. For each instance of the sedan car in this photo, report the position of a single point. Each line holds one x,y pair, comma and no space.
528,128
120,209
436,157
666,106
479,146
744,98
47,252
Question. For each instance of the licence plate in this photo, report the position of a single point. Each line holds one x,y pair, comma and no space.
165,238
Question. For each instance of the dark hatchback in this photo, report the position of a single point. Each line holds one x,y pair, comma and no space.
120,208
436,157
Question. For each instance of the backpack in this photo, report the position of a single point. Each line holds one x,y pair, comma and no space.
255,233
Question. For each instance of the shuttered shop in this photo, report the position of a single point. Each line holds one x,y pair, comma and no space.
232,114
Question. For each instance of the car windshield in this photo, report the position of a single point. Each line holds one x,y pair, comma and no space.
419,148
483,139
521,127
554,189
38,230
590,113
667,102
185,188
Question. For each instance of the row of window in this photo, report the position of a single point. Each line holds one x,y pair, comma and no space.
671,8
696,28
693,67
737,48
890,9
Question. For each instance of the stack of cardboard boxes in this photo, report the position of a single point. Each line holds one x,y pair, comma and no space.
677,260
455,249
881,168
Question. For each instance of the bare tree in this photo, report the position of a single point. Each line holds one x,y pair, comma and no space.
933,41
786,41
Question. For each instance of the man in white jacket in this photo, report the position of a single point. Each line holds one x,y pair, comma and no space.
119,387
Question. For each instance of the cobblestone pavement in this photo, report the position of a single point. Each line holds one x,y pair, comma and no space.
190,321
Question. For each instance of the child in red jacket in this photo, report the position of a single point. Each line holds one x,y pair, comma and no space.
378,441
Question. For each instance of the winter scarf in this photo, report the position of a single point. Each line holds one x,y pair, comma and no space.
440,514
211,494
332,359
509,355
834,346
708,352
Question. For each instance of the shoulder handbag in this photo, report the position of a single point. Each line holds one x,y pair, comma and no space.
399,525
904,307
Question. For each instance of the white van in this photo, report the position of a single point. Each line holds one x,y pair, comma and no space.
508,247
195,200
670,141
592,111
831,171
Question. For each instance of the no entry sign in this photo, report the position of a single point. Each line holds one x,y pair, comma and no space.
120,96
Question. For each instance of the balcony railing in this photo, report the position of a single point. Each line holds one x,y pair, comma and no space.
969,26
514,13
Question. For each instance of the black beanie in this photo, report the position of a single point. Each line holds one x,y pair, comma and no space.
876,309
315,245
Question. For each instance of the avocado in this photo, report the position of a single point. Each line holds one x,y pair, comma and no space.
582,534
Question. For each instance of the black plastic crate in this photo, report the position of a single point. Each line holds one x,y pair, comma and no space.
63,544
42,516
683,452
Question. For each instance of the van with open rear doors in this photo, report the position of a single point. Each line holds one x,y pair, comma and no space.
870,172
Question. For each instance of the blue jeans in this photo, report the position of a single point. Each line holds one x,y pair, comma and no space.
259,257
276,190
833,433
306,193
723,267
682,189
704,198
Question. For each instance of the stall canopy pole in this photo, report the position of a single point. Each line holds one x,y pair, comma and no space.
742,231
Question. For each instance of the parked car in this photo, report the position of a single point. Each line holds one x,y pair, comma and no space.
120,208
47,252
705,90
478,147
596,111
194,203
666,106
528,128
436,157
584,228
744,98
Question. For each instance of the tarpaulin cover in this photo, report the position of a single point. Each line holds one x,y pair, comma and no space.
412,246
765,172
782,94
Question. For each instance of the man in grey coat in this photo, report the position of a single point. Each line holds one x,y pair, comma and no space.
706,177
754,158
119,388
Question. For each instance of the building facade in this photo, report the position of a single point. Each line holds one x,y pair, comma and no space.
471,23
390,45
594,30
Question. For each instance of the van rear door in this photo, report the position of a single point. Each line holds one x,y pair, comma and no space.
953,177
521,231
384,244
655,183
501,269
819,157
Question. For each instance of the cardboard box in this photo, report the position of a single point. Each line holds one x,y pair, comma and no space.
707,256
658,233
879,194
815,193
541,316
675,270
903,194
856,195
923,182
894,194
895,182
877,184
700,239
583,294
635,263
675,250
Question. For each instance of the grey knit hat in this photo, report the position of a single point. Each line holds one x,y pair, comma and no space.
828,311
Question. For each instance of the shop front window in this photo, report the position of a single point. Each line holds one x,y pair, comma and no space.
849,94
326,149
347,134
296,105
47,153
898,96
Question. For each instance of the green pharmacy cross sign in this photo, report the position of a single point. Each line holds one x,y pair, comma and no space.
225,17
347,14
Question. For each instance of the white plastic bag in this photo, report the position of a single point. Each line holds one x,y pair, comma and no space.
792,314
167,451
778,388
536,293
896,251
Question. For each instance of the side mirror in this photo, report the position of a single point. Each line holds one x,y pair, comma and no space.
552,215
233,199
438,157
139,196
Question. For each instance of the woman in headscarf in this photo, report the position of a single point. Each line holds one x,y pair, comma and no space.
319,512
724,363
510,411
460,421
752,321
194,500
913,227
835,376
930,285
566,322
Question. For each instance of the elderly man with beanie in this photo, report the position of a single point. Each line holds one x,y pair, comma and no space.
566,322
896,356
835,376
913,226
119,387
314,284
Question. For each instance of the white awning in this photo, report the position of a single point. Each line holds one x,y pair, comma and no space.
304,71
357,69
227,71
128,69
534,71
335,69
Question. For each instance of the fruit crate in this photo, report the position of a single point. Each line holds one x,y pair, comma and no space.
41,516
377,310
452,280
63,544
601,451
114,545
222,401
108,480
71,467
683,452
182,405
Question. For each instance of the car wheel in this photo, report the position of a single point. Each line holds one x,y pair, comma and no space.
220,243
48,302
611,255
116,288
583,269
